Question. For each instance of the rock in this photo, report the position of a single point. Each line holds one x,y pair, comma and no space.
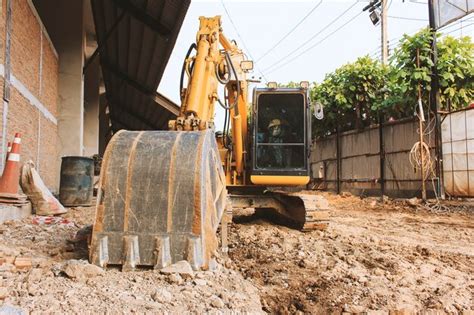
80,269
217,302
23,263
7,267
362,280
214,265
33,289
346,194
162,295
354,309
174,279
378,272
3,294
413,202
9,259
35,275
11,310
183,268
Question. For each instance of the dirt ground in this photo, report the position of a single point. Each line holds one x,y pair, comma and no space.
372,257
375,258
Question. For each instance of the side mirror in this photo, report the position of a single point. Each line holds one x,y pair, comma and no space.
318,110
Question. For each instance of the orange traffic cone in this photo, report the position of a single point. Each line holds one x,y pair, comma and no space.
11,173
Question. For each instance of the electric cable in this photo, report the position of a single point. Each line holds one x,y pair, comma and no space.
407,18
460,28
291,31
313,37
317,44
242,40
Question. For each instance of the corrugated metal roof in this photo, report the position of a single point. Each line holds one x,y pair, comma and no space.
136,38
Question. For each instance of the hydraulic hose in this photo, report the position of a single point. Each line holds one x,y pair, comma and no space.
183,69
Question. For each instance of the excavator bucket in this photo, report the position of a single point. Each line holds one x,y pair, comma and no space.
161,198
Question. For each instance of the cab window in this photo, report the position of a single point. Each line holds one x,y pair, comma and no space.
280,132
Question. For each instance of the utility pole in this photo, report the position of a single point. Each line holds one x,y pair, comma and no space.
435,104
383,24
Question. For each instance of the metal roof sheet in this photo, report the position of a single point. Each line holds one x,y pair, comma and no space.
136,38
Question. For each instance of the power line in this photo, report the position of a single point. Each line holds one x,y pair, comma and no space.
312,37
406,18
460,28
291,31
318,43
241,39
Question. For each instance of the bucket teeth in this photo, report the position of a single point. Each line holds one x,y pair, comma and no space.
194,252
131,252
162,252
103,251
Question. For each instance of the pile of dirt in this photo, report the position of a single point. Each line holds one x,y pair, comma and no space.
373,256
42,271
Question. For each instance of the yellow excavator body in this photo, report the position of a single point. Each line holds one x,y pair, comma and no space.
163,194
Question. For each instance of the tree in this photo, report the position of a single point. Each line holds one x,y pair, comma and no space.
351,95
456,72
455,69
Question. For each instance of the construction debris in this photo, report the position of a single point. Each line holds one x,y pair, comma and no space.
44,203
81,269
183,268
381,259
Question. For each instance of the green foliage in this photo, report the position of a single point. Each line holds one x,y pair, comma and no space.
456,71
351,95
290,84
355,93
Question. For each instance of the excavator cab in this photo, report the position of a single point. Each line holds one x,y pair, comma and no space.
281,137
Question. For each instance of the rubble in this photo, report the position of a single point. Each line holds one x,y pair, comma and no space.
23,263
80,269
370,260
183,268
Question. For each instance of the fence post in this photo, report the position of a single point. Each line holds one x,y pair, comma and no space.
338,155
382,156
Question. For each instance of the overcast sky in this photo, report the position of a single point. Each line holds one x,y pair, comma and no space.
312,49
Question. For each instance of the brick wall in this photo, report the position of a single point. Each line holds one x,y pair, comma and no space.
33,106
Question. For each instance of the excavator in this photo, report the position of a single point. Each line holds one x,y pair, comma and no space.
163,194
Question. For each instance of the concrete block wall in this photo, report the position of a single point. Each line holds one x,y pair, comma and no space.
33,106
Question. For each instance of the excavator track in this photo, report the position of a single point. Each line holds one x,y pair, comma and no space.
306,212
317,211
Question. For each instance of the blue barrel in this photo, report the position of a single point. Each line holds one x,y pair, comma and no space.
76,186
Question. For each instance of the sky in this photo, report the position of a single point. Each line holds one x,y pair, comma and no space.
262,29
